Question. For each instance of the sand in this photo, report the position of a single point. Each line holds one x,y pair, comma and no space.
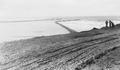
96,49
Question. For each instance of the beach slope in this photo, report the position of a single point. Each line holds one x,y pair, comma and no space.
94,49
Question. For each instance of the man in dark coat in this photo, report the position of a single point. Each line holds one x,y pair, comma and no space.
106,22
111,23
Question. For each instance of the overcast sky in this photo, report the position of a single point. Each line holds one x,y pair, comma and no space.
54,8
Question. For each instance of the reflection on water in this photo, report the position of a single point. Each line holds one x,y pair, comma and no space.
22,30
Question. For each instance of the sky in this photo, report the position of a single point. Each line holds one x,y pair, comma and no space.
27,9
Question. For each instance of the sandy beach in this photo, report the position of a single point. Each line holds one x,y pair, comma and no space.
11,31
93,49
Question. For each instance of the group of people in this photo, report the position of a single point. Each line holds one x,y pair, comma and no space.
109,23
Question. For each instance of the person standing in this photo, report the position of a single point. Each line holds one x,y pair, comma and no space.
106,22
111,24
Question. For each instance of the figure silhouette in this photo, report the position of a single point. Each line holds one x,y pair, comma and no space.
106,22
111,24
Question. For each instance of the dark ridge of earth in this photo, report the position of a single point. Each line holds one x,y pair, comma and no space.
96,49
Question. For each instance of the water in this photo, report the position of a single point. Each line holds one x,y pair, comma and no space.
22,30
